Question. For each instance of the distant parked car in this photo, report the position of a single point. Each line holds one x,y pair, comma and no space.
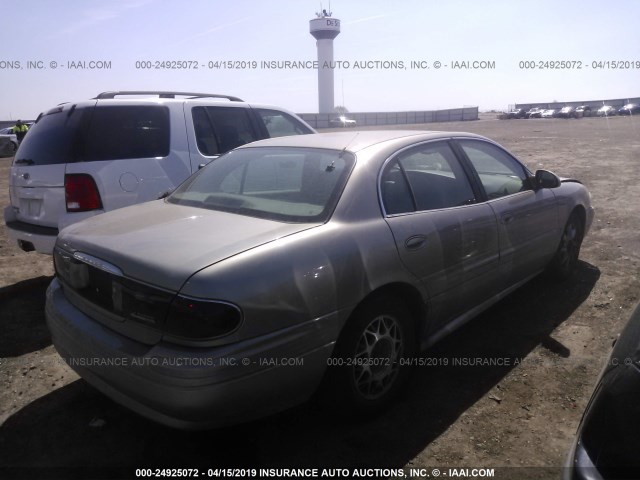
550,113
607,111
301,262
608,438
535,112
517,113
583,111
567,112
630,109
342,121
8,142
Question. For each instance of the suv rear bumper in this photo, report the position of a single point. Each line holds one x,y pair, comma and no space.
28,235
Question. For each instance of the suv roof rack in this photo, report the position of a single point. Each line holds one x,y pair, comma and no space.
165,94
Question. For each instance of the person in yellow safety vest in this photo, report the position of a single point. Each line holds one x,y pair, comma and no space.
20,130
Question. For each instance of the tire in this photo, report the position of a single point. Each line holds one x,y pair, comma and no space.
366,371
563,264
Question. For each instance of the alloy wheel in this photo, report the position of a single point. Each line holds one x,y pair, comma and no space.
377,355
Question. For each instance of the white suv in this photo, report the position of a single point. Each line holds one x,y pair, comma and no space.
82,159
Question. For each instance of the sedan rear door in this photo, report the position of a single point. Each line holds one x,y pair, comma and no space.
444,236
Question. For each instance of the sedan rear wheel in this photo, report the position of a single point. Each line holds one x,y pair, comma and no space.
367,369
377,357
564,263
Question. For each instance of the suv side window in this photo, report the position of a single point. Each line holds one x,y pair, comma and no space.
120,132
500,174
435,177
220,129
279,124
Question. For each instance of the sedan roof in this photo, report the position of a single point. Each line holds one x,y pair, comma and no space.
355,141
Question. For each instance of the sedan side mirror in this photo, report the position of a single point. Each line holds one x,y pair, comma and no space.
546,179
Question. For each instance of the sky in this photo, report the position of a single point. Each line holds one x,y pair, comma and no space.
44,42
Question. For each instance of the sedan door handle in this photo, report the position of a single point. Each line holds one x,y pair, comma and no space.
507,218
415,242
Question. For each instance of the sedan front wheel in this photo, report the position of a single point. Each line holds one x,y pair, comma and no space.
564,262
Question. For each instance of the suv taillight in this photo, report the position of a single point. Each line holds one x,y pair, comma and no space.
81,193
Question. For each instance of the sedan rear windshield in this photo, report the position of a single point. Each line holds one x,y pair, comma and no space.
278,183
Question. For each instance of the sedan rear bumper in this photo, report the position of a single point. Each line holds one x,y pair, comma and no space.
191,388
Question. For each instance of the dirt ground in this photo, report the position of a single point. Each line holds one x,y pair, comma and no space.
553,339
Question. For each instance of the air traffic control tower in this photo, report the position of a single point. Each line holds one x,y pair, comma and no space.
325,28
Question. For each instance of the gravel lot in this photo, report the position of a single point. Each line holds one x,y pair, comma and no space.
554,338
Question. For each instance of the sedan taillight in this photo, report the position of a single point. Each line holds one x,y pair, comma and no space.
81,193
193,319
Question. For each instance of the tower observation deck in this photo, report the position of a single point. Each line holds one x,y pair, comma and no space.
325,28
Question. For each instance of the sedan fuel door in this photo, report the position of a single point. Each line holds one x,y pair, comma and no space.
444,237
527,218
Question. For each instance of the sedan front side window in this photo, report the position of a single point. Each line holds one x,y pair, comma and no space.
500,174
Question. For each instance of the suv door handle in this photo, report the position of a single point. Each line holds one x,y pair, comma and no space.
415,242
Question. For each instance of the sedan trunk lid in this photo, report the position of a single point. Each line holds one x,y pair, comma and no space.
163,244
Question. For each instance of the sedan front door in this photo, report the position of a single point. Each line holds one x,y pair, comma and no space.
527,218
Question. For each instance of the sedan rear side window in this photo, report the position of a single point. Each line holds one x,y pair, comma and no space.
220,129
396,196
431,174
499,172
121,132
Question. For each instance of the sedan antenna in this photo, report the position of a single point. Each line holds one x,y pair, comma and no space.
347,145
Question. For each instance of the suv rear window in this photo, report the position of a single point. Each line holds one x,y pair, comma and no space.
97,133
220,129
53,138
120,132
